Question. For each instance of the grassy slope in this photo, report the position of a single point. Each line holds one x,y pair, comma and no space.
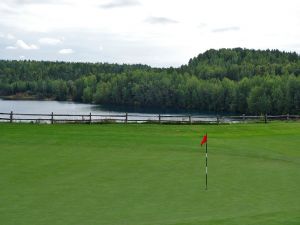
149,174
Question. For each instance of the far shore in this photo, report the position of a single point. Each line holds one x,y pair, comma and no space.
25,97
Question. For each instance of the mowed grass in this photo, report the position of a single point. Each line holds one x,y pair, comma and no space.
149,174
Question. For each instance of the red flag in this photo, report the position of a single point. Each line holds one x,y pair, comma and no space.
204,139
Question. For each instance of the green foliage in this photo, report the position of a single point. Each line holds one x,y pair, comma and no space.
226,80
238,63
87,94
259,101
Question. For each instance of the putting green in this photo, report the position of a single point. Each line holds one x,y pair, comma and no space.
136,174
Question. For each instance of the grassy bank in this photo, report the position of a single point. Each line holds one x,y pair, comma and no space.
149,174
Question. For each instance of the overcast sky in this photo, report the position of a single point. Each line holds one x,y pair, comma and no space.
159,33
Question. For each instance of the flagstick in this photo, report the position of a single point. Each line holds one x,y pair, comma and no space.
206,165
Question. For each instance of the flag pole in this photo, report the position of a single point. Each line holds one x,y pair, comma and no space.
206,164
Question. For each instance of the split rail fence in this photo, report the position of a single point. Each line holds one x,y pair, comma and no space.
90,118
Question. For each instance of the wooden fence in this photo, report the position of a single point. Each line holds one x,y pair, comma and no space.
137,118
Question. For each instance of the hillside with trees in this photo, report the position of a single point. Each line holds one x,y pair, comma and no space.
220,81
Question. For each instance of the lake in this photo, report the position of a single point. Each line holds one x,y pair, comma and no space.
65,107
33,106
68,107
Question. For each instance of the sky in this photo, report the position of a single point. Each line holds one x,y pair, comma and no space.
159,33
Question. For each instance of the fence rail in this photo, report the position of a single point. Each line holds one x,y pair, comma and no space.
137,118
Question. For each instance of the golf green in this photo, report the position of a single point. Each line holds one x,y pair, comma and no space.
136,174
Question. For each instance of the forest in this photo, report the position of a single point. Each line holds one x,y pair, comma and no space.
242,81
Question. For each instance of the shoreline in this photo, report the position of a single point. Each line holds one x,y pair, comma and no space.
26,97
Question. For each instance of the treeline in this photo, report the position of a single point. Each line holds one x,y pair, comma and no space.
238,63
226,80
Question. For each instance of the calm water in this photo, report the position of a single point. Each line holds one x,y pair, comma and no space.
98,112
26,106
60,107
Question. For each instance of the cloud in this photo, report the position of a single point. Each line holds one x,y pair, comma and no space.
8,8
139,31
22,45
50,41
24,2
120,4
226,29
10,47
10,36
7,36
201,25
160,20
66,51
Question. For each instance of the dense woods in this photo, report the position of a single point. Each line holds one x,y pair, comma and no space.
226,80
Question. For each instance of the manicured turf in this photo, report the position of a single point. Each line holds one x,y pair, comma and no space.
149,174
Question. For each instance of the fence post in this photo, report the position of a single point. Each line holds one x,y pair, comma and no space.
190,119
158,118
266,118
90,118
244,118
288,117
11,117
126,117
52,118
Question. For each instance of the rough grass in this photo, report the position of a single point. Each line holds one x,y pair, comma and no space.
149,174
